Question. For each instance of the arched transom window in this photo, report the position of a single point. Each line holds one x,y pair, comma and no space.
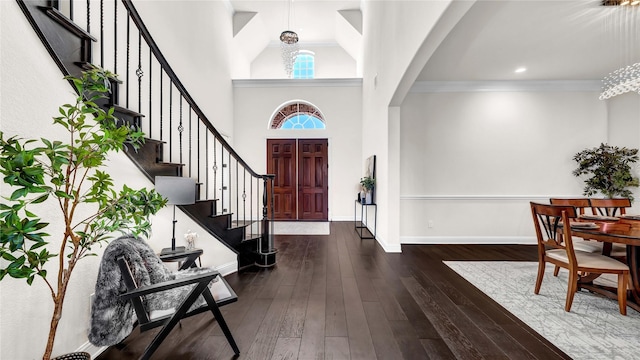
297,115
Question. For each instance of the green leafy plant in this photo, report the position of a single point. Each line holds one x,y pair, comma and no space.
68,173
367,183
608,169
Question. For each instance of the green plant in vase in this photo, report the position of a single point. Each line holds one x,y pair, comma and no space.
69,174
367,184
608,170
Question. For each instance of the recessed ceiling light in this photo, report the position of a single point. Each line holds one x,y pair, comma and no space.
520,70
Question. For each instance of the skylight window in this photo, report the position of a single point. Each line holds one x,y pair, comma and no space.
304,67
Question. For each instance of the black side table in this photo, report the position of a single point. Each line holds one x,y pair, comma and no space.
362,224
186,259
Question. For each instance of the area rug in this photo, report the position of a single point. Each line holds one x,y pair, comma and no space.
594,329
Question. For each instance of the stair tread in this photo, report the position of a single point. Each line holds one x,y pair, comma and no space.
154,140
127,111
63,20
162,163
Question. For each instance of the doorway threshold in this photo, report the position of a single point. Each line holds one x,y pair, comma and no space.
301,228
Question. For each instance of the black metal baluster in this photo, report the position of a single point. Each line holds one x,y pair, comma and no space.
180,130
89,16
237,194
198,150
161,104
102,34
222,178
115,37
251,204
244,196
128,60
150,92
139,73
190,159
215,168
170,141
206,163
71,10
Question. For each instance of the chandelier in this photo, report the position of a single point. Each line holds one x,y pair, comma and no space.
289,46
621,81
627,78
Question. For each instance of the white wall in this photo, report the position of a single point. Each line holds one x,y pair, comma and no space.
196,36
480,157
394,31
31,89
341,106
331,62
623,112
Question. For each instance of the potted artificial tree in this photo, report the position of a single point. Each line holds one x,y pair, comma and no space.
69,174
367,183
608,170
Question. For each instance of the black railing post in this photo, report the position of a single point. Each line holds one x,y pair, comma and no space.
266,250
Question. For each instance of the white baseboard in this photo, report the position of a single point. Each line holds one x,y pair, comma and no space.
520,240
389,248
228,268
92,349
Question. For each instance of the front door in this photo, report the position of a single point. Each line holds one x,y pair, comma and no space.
301,188
312,179
281,161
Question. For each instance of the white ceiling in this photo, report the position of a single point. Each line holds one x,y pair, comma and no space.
554,39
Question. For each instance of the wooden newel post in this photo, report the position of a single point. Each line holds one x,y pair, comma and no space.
266,251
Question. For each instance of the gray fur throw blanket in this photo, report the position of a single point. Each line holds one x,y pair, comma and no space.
112,319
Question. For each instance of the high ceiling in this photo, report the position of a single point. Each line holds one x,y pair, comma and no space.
313,20
553,39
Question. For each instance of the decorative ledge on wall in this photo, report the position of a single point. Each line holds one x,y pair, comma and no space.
544,198
507,86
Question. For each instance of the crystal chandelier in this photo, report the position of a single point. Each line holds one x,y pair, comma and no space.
621,81
289,46
627,78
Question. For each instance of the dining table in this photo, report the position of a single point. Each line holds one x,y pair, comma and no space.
621,230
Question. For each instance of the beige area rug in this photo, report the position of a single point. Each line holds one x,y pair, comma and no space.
594,329
301,228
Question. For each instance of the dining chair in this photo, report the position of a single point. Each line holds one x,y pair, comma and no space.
610,207
581,204
555,246
578,243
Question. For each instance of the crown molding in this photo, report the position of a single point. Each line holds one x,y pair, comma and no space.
258,83
507,86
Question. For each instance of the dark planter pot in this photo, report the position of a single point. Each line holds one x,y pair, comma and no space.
80,355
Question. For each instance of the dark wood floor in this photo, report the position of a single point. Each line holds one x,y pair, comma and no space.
339,297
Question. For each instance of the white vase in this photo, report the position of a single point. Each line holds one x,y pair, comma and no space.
368,199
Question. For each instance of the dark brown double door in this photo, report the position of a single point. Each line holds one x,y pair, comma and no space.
300,186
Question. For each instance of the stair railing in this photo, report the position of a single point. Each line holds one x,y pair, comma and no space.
150,87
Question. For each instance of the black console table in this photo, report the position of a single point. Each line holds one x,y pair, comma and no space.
361,226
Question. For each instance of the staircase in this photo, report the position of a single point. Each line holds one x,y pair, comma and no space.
233,203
